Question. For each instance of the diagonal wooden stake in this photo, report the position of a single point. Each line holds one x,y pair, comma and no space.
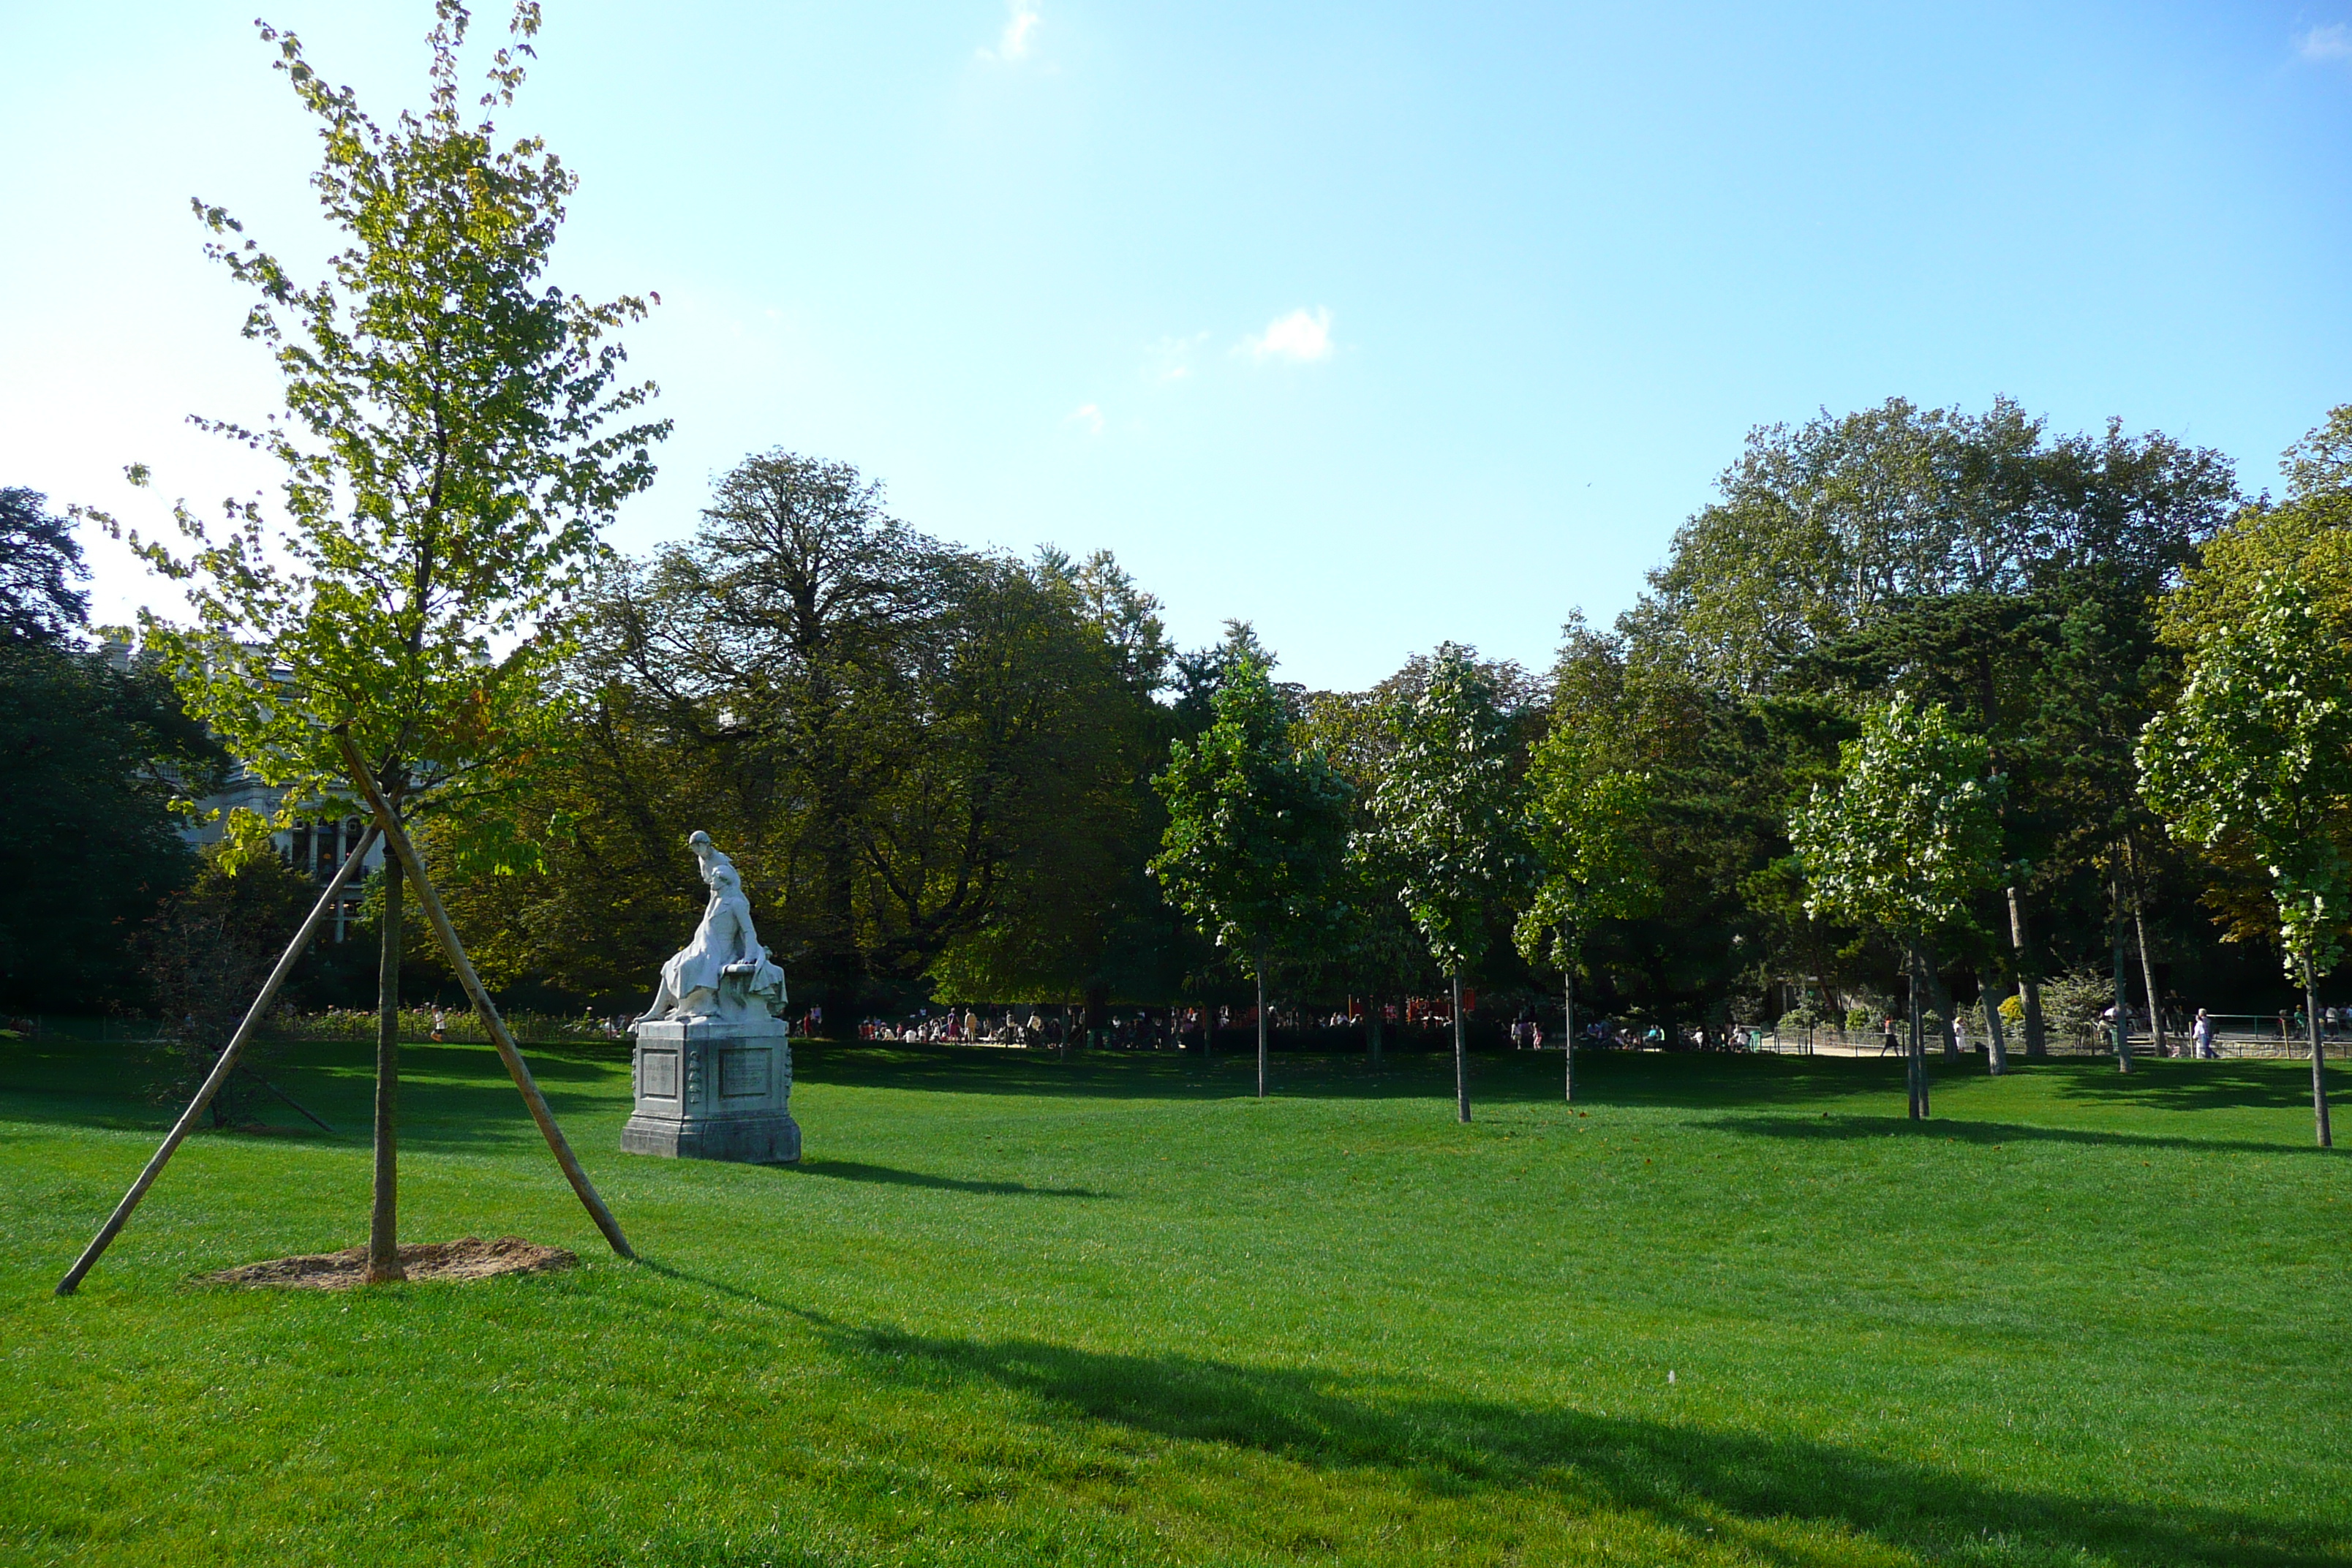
438,918
221,1068
288,1098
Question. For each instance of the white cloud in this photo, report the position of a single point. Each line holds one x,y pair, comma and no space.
2333,42
1086,414
1019,24
1301,336
1170,359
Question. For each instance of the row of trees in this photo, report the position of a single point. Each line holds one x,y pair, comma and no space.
940,764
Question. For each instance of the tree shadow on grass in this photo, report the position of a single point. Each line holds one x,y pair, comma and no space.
482,1114
1715,1487
886,1176
1844,1128
2272,1084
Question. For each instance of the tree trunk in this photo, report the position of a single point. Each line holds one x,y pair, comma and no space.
2037,1040
2122,999
2146,964
2319,1058
1261,1017
1372,1028
1939,999
837,977
1460,1058
1918,1052
1990,989
2147,979
383,1213
1568,1023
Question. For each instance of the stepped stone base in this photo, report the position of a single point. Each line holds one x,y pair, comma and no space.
713,1088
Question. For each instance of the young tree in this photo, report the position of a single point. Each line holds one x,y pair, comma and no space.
449,462
2249,761
1449,818
2255,757
1909,832
1583,819
1256,832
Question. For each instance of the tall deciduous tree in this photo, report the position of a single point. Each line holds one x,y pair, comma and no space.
1716,777
1584,820
1449,817
930,763
1380,955
40,562
2250,760
1257,833
451,452
1907,834
97,750
2254,758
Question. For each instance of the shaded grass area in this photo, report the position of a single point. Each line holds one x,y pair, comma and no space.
1013,1311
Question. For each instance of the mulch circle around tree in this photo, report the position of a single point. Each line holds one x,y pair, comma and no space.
469,1257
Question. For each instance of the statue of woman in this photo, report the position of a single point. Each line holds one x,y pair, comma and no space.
722,971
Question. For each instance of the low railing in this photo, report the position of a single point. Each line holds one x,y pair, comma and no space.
2240,1037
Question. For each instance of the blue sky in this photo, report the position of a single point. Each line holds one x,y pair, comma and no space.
1374,324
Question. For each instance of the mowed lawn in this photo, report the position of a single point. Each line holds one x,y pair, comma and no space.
1015,1311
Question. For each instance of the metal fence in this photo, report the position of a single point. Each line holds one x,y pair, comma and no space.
2236,1035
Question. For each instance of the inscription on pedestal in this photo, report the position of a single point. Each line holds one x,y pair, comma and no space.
661,1075
744,1072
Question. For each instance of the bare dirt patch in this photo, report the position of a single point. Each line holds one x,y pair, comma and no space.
470,1258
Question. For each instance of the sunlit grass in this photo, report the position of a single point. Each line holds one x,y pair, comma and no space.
1117,1311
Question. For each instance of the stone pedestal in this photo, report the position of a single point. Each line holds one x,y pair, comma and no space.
714,1088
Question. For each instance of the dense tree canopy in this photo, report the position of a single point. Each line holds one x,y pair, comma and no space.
930,765
96,750
936,765
40,561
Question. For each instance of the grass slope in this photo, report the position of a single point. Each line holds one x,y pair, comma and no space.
1010,1312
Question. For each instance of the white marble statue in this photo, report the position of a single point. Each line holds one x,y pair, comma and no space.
723,973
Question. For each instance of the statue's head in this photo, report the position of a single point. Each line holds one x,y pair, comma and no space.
699,842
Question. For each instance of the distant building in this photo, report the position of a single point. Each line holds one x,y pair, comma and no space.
315,847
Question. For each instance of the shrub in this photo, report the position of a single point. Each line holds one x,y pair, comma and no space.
2072,1003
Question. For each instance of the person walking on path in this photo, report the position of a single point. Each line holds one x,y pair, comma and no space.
2200,1036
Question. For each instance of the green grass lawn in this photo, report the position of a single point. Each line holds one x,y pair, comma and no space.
1010,1312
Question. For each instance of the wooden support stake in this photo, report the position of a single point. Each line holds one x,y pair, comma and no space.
221,1068
286,1096
438,919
